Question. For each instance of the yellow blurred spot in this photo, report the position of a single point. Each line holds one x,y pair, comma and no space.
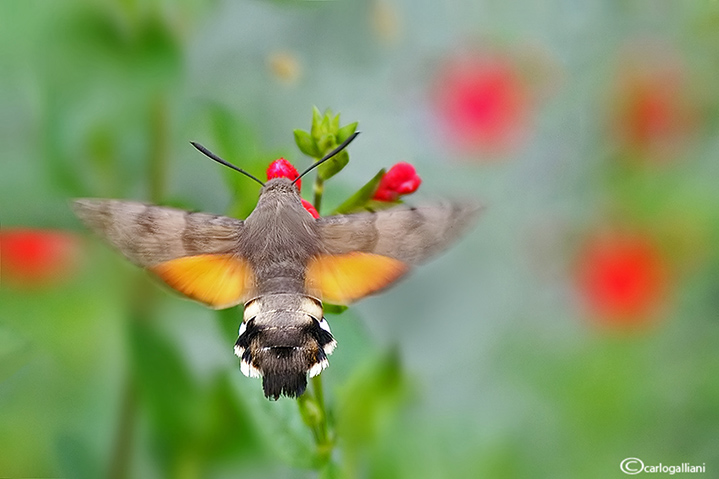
385,21
284,66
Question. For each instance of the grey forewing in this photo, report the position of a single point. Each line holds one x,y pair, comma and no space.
148,235
410,234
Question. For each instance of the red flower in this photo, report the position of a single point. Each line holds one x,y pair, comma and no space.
481,102
31,257
401,179
622,277
653,114
308,206
282,168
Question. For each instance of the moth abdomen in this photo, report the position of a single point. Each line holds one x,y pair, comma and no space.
287,383
283,338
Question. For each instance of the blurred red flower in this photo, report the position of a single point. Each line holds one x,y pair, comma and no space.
653,114
401,179
481,102
36,257
622,277
282,168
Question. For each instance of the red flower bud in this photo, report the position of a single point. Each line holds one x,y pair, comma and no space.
34,257
308,206
401,179
282,168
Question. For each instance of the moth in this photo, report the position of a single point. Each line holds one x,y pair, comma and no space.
280,262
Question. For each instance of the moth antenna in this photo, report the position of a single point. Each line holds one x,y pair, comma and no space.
213,156
328,156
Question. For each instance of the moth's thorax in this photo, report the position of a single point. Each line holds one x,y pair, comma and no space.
280,236
277,197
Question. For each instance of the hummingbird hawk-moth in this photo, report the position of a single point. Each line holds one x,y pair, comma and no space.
280,262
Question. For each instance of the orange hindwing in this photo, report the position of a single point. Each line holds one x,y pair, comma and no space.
217,280
344,278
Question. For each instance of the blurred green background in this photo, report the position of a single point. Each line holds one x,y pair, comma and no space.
577,325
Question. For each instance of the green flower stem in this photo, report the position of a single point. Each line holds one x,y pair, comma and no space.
319,189
142,306
314,414
143,300
122,447
323,438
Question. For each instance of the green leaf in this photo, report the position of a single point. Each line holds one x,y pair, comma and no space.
326,143
75,457
229,423
345,132
316,121
331,167
334,308
323,138
157,54
362,197
15,352
325,125
307,144
167,387
282,428
370,399
331,471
